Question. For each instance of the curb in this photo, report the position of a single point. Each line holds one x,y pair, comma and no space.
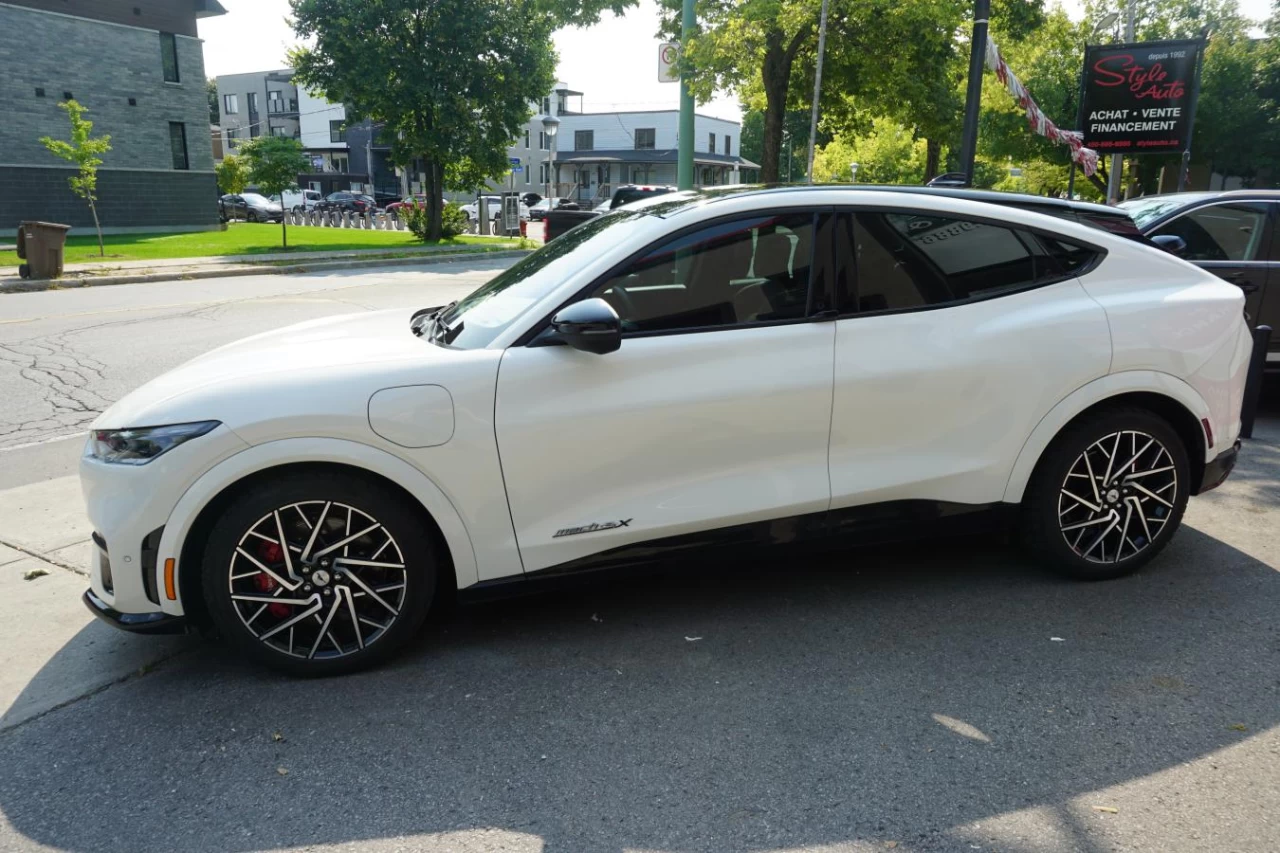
260,269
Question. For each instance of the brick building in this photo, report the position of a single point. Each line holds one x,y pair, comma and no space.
137,66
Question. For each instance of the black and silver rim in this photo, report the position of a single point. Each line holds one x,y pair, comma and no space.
1117,497
317,580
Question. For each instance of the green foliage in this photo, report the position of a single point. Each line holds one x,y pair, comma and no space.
85,151
453,220
233,174
887,154
794,145
451,84
274,165
215,108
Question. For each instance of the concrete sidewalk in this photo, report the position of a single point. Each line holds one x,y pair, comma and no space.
44,554
275,263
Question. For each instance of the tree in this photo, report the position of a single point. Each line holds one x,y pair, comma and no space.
274,165
795,142
888,154
84,151
450,87
215,109
233,174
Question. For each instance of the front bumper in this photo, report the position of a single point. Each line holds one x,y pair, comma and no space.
137,623
1219,468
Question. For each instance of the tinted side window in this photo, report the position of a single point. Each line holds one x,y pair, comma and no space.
1220,232
753,270
913,260
1068,257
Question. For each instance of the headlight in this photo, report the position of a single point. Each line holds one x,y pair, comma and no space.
140,446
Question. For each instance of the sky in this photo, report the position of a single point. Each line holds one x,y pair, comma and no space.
614,64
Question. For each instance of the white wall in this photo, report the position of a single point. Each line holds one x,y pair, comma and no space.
613,131
314,115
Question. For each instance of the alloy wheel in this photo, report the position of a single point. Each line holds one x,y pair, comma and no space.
1117,497
317,580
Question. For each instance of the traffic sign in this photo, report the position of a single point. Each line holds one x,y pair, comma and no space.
515,161
517,168
668,52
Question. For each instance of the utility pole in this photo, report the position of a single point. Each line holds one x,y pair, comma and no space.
1117,160
684,168
973,97
817,86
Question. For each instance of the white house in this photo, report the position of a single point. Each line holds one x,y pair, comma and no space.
321,126
593,153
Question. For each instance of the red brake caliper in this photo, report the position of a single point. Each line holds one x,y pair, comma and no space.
270,552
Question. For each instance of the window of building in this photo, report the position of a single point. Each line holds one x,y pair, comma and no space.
528,172
340,163
232,134
275,101
230,104
546,105
645,138
178,145
544,173
914,260
584,140
544,141
169,57
711,143
335,131
1220,232
253,103
279,131
526,140
255,130
727,145
745,271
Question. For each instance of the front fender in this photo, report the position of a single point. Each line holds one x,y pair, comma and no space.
1092,393
301,450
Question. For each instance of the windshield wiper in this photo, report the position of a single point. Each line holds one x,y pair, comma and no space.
423,316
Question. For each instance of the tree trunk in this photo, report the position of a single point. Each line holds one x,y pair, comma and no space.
102,249
933,155
433,180
776,75
284,223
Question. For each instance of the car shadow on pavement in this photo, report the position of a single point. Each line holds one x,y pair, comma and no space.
905,694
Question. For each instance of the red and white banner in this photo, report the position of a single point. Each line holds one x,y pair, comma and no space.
1039,122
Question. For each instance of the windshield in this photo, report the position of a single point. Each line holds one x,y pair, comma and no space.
1147,210
479,318
254,198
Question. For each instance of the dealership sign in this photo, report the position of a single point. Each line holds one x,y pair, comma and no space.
1140,98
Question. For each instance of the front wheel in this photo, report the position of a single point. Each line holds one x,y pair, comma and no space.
251,217
319,574
1107,495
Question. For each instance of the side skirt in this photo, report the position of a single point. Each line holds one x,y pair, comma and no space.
850,527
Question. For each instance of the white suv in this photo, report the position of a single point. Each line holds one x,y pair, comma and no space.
698,369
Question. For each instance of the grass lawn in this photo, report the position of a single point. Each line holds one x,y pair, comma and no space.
240,238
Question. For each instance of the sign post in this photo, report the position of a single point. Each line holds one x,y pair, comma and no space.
668,52
1140,98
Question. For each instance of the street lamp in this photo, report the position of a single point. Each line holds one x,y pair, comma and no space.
551,125
853,167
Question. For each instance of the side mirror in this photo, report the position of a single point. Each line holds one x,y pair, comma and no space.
1171,243
590,325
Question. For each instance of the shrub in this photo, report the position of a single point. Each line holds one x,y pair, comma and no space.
453,221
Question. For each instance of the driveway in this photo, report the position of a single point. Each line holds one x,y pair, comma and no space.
918,698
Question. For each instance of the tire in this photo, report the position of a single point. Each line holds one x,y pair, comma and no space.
1132,516
333,617
251,217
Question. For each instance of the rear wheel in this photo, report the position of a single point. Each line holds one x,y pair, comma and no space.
319,574
251,217
1108,494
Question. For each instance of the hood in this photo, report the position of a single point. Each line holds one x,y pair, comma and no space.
285,369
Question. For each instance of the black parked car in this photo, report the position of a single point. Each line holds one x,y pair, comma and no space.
632,192
1231,234
353,202
250,207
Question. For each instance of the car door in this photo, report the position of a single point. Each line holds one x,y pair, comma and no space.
239,207
1232,240
956,335
713,415
1269,305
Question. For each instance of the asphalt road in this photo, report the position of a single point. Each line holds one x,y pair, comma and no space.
929,697
67,355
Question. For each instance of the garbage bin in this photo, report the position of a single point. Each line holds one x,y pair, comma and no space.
41,244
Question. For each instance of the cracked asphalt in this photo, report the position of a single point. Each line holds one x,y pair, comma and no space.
940,696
